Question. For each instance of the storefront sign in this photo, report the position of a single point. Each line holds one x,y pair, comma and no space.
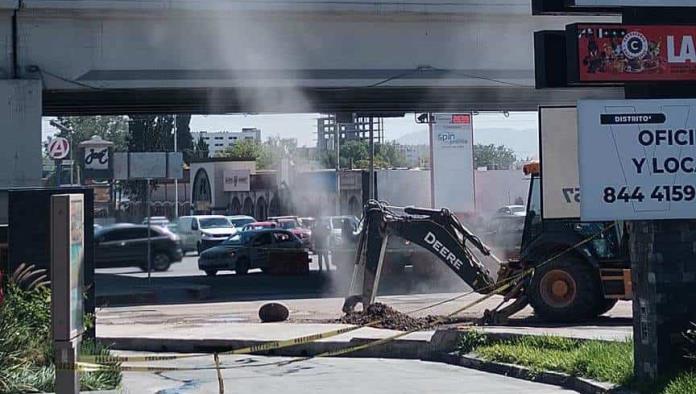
613,53
236,180
637,159
558,128
58,148
451,139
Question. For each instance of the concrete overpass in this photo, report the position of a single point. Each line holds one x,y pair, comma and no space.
217,56
277,55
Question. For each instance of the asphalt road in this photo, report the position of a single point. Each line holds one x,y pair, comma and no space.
247,374
227,286
187,267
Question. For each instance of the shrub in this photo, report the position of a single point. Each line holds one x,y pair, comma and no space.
26,354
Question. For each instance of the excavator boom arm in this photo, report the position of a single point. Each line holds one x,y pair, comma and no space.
437,231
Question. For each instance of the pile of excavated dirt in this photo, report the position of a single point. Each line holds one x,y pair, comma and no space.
389,318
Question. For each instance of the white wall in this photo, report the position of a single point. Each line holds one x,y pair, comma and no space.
404,187
494,189
499,187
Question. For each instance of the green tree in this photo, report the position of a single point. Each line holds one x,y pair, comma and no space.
251,150
151,133
356,154
493,157
81,128
148,133
184,138
200,150
389,153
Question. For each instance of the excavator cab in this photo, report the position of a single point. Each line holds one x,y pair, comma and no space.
586,280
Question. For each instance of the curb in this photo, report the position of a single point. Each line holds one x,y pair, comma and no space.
581,385
147,295
441,342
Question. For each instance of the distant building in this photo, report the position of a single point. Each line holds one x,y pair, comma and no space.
352,128
416,155
220,140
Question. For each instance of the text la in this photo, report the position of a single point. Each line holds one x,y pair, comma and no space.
687,51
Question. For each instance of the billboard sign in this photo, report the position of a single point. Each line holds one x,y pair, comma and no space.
452,181
560,182
614,53
637,159
148,165
67,261
236,180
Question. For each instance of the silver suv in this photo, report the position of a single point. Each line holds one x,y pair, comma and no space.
203,231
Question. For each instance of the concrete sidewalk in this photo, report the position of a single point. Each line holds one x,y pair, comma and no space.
246,374
225,326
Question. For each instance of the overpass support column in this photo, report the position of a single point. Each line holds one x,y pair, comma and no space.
20,133
663,253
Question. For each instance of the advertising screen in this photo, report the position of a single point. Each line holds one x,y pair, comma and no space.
613,53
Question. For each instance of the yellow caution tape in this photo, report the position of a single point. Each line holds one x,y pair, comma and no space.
88,363
272,345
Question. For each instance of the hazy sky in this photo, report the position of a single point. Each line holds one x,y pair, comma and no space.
517,131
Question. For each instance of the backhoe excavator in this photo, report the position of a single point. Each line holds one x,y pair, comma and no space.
572,270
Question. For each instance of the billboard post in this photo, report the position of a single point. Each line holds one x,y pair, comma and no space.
67,259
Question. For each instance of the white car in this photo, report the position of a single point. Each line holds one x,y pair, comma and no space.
201,232
512,210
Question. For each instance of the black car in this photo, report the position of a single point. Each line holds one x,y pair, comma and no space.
251,249
125,245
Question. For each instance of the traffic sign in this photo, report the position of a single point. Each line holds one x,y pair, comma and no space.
58,148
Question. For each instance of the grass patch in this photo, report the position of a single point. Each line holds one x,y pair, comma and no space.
26,351
599,360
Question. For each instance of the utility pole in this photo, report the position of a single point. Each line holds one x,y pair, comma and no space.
176,181
338,167
372,183
149,229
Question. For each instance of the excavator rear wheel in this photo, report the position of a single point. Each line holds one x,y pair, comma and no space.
565,290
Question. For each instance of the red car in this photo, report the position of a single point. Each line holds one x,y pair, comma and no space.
292,223
259,226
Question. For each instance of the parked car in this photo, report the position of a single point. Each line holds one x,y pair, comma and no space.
156,220
239,221
259,226
203,231
293,224
512,210
250,249
125,245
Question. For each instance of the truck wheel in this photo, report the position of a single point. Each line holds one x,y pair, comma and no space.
566,290
161,262
242,267
606,305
